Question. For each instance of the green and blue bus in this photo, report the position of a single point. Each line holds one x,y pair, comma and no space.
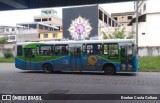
110,56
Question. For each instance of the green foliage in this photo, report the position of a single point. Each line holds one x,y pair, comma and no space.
105,35
7,54
149,63
118,34
3,40
6,60
130,36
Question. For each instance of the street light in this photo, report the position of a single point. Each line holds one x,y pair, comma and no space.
137,25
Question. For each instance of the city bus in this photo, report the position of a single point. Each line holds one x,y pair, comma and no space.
110,56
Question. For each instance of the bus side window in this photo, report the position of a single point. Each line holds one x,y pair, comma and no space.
105,49
84,49
38,50
53,50
19,50
61,50
46,50
100,49
90,49
97,49
113,51
29,52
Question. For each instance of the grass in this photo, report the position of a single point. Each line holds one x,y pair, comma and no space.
7,60
149,63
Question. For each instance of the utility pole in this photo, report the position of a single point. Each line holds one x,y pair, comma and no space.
137,24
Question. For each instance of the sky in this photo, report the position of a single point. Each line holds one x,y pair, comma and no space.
10,18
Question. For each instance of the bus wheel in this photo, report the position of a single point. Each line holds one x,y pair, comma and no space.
109,69
47,68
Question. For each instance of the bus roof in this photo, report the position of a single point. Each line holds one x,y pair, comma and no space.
81,41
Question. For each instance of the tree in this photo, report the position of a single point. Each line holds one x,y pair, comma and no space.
3,40
130,35
104,35
118,34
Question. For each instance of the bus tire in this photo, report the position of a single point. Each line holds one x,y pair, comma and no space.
47,68
109,69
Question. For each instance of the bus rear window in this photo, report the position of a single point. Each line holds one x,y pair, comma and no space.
19,50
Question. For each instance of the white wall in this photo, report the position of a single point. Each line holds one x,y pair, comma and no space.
153,29
142,39
153,6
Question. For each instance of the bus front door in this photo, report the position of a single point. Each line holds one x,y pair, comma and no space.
28,58
75,61
126,58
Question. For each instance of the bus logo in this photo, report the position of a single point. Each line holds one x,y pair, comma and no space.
92,59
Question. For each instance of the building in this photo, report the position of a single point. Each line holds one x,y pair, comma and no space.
10,33
49,16
123,18
85,22
148,27
34,31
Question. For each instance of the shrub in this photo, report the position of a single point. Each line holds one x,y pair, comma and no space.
7,54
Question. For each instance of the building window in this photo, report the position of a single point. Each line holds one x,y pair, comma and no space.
143,33
115,18
37,20
44,12
110,21
7,30
144,7
44,19
129,17
100,15
49,19
13,29
45,35
105,18
54,35
12,37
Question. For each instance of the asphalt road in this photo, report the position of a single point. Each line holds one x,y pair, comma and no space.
15,81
